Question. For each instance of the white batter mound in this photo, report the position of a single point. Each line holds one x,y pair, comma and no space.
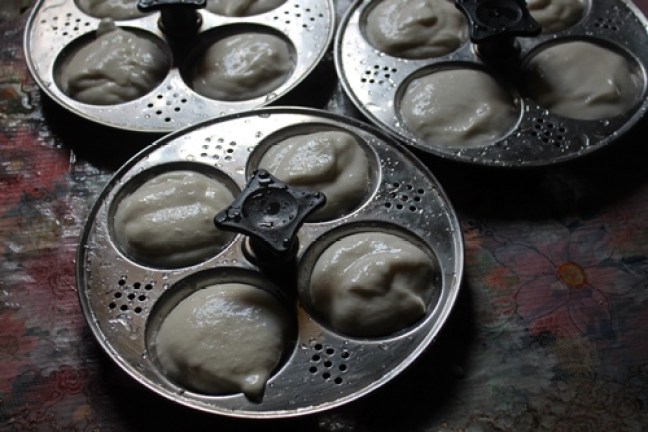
115,9
582,80
223,339
118,66
556,15
416,28
169,220
240,8
372,284
458,107
243,66
331,162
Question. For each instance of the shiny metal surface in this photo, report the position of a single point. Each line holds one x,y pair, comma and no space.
55,26
124,301
374,80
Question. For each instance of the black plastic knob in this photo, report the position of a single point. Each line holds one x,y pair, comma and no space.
497,19
270,213
178,18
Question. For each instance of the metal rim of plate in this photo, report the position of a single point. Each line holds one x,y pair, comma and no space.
372,80
322,368
55,26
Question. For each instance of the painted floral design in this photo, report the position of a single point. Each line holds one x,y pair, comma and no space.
568,280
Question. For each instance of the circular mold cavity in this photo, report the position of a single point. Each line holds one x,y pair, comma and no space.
457,106
163,217
322,158
239,63
221,332
584,79
114,9
369,280
557,15
238,8
415,29
111,66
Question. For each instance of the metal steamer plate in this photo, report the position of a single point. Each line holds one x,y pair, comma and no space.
375,81
57,27
124,301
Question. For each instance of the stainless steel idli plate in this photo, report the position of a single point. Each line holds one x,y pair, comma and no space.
374,81
122,299
57,26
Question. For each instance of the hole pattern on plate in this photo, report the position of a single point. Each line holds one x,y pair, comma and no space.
166,105
217,149
379,74
607,23
404,197
129,297
66,25
307,15
548,132
329,363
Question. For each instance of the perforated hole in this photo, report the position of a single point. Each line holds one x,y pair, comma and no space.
548,132
378,75
67,25
329,363
404,197
218,149
129,297
306,16
165,106
607,23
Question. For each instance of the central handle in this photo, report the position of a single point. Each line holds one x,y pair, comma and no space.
270,213
494,25
178,18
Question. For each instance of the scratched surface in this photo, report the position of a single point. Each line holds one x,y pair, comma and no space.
550,332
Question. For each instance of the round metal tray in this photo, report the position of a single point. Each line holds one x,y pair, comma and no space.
56,26
322,369
373,80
